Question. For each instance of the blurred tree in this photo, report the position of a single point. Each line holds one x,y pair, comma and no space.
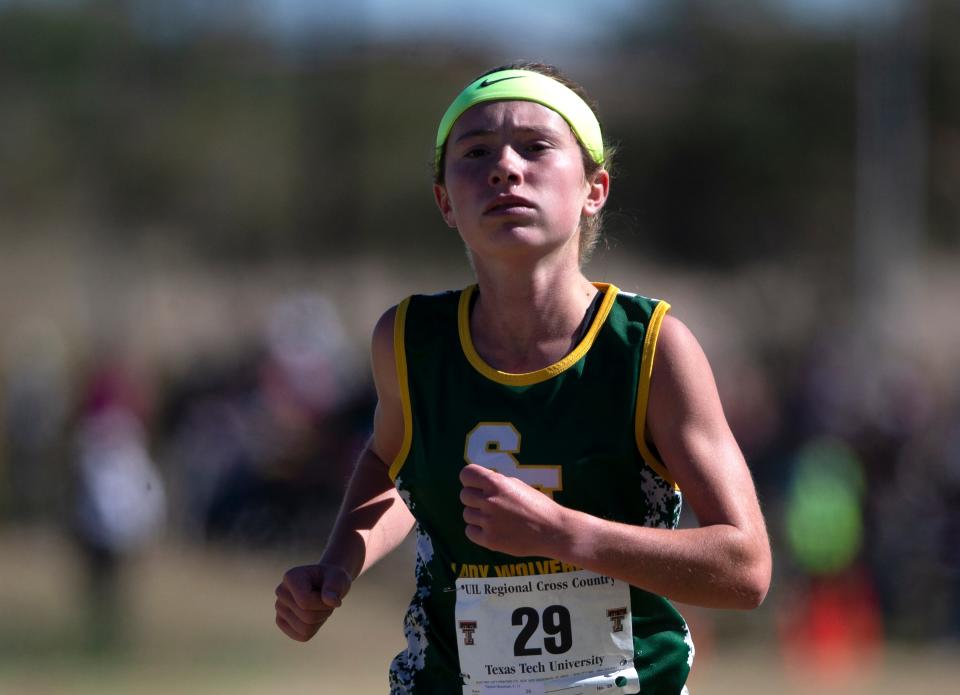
943,105
753,157
737,131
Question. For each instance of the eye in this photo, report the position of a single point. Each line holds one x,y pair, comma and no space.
474,152
538,146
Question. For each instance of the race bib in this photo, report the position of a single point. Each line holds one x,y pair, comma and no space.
564,633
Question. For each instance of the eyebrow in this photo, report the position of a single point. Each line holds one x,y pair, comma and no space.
476,132
480,132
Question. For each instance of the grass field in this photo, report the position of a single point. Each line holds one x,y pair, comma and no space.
201,621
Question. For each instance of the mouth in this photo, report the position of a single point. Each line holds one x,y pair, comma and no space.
508,204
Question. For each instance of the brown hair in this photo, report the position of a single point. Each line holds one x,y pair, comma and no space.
590,227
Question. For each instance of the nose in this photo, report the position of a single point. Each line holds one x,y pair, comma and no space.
507,168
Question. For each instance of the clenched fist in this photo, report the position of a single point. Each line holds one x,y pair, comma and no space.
507,515
307,596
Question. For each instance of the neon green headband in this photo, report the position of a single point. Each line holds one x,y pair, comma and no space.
525,85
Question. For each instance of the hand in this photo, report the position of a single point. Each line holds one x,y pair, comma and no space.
507,515
307,596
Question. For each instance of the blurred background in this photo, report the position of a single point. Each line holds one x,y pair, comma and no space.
206,204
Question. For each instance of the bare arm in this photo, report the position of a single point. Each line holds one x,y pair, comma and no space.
724,563
373,520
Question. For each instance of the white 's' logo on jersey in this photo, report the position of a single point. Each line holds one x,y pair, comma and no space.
493,445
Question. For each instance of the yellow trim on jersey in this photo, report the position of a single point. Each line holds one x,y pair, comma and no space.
400,356
528,378
643,393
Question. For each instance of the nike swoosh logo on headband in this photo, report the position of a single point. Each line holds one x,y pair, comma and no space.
487,83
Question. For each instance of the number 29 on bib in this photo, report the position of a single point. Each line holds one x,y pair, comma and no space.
566,633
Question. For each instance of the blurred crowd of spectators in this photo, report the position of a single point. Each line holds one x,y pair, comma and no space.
855,449
251,449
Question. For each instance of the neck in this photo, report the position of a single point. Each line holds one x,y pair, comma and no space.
525,321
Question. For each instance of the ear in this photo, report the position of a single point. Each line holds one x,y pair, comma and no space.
443,202
598,188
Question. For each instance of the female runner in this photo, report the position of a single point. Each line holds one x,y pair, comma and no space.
537,429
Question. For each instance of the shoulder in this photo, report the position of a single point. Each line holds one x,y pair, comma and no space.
676,342
388,423
683,389
383,348
638,308
391,426
384,328
637,301
635,320
681,366
417,315
429,306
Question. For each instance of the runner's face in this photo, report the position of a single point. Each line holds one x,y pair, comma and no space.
514,179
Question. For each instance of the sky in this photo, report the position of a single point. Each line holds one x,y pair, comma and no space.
535,23
532,18
538,21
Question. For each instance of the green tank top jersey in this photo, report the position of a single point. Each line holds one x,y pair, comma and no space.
574,429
